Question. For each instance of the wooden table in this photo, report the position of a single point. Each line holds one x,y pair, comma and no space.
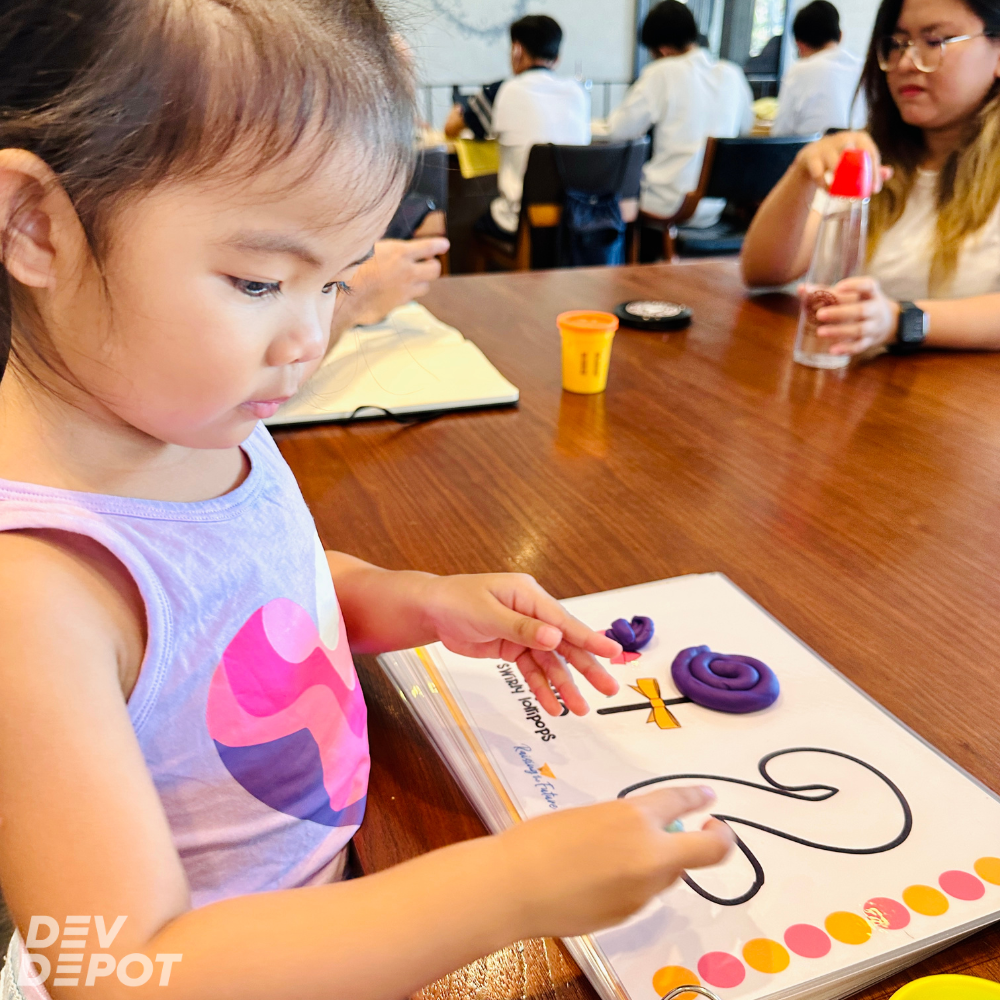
860,508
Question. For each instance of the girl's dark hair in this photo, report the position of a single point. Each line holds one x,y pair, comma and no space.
117,96
969,182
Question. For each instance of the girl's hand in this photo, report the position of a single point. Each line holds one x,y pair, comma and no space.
508,615
819,159
864,317
592,867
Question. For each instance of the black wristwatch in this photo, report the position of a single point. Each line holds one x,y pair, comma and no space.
911,330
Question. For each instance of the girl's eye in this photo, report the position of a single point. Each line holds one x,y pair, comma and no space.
342,286
256,289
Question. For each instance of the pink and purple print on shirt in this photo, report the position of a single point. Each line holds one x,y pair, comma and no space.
288,718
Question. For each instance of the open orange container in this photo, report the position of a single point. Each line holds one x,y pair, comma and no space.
587,337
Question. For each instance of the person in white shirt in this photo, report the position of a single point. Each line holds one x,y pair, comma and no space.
820,91
533,108
686,96
932,275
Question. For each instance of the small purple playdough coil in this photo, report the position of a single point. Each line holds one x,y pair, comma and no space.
631,636
724,682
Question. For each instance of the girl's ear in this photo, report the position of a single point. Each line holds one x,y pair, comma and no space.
36,219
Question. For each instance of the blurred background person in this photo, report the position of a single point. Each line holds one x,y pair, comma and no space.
685,96
819,91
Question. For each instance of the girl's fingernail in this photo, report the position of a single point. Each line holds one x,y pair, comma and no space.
706,791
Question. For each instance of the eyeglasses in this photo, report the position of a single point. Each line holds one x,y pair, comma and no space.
925,53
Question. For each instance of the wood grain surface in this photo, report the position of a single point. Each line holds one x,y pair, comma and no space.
858,507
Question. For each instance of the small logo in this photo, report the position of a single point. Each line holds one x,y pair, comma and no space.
132,970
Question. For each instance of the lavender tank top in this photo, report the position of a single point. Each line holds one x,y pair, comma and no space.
247,708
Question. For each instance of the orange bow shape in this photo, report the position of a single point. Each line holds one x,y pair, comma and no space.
649,688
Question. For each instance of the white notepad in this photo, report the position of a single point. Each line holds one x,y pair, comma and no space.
902,859
411,363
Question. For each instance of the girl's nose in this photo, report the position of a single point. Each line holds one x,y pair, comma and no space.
302,341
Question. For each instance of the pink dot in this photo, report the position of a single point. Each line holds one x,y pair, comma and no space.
719,968
807,941
962,885
884,912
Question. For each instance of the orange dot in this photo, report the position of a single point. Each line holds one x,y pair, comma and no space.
765,955
848,928
670,977
926,900
988,869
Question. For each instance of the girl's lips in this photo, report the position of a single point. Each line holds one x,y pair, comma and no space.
264,408
910,91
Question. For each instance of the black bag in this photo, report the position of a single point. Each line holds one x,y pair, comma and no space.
591,228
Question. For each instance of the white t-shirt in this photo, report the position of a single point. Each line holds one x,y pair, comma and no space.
533,108
817,93
902,260
687,99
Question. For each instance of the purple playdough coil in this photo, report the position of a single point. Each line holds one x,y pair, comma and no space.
631,636
724,681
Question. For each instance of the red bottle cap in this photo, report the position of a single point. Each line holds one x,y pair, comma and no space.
853,178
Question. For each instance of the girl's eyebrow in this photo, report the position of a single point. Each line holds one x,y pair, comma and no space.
268,241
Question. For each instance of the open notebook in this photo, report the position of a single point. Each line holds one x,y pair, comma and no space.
863,849
410,363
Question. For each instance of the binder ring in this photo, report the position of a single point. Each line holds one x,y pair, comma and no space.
681,990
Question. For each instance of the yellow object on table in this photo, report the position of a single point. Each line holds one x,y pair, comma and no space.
586,349
949,988
477,157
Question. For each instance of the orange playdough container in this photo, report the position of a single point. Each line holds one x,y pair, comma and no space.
586,349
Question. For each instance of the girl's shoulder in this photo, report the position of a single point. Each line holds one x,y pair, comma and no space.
65,593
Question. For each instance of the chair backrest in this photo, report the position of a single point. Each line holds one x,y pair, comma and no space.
744,170
593,169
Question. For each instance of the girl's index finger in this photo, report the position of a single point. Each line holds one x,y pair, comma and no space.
547,609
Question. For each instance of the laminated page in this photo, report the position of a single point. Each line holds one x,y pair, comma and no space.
861,847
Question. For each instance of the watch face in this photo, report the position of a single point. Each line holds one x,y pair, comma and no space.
911,326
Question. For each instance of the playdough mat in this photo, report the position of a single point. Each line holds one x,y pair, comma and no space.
861,847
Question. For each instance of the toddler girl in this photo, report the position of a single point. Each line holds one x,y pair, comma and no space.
185,188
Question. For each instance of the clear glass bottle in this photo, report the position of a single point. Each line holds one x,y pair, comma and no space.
839,254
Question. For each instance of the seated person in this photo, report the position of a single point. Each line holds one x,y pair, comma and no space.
534,107
818,92
398,272
474,113
934,227
686,96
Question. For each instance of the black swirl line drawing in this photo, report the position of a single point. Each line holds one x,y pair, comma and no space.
775,787
495,26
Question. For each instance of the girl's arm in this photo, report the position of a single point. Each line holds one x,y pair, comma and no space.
779,243
868,318
83,833
503,615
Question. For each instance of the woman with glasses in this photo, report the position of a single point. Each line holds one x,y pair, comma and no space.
932,80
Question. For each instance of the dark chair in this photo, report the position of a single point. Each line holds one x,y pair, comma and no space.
593,169
742,171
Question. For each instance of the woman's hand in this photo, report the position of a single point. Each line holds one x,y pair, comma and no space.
819,159
864,316
594,866
508,615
